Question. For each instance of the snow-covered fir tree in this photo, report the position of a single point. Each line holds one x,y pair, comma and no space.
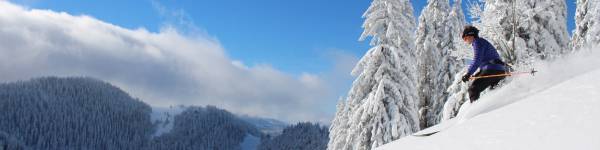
543,27
381,105
437,36
302,136
587,21
539,28
456,23
339,125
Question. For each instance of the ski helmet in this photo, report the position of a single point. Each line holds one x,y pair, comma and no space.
470,31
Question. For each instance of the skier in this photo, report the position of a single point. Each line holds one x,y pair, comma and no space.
486,59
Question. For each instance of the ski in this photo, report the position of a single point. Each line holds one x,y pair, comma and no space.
436,129
426,134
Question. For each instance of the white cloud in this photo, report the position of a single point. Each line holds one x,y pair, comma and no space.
164,68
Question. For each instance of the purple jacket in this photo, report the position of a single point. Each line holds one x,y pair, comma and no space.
484,54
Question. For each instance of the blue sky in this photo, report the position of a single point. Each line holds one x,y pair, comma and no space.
293,36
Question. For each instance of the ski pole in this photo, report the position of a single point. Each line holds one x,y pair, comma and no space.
532,72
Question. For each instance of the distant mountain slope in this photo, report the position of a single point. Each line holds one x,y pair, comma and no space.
205,128
73,113
268,126
85,113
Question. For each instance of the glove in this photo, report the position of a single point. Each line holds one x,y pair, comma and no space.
466,77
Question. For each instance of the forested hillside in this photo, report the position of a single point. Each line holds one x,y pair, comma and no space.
85,113
205,128
73,113
302,136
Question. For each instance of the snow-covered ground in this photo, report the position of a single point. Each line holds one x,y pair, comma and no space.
559,108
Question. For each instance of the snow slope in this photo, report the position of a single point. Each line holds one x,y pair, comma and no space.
557,109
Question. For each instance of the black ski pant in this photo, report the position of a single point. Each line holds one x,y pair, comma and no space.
479,85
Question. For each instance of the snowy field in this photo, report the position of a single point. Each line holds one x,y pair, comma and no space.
557,109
